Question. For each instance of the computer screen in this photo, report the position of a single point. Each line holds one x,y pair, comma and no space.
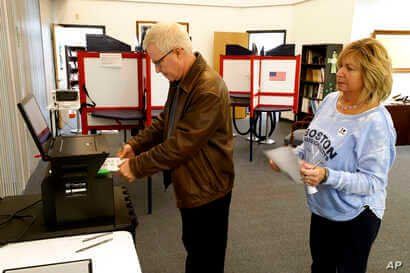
105,43
35,122
232,49
282,50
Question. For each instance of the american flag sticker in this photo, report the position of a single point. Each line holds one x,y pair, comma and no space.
277,76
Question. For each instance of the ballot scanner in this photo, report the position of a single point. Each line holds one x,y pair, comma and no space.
73,193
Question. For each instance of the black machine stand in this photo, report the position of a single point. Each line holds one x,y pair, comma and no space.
74,195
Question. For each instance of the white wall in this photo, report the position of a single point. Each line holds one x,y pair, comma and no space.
380,14
120,18
46,18
304,21
370,15
323,21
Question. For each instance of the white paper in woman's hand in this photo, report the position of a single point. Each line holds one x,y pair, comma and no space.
288,163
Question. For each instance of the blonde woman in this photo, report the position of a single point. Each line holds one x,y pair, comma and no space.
352,140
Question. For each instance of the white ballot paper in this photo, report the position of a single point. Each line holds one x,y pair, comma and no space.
112,164
288,163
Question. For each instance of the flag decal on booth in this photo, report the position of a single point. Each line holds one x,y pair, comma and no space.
277,76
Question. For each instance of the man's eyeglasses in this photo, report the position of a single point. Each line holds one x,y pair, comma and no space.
159,61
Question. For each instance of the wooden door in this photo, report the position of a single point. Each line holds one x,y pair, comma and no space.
221,39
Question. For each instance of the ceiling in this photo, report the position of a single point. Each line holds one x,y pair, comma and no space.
222,3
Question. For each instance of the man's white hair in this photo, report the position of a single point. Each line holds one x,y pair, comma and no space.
168,36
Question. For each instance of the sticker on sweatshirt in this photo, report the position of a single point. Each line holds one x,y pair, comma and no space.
342,131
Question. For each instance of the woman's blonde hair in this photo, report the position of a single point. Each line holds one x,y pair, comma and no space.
168,36
375,65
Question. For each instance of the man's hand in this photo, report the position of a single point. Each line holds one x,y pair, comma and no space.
311,175
126,152
125,171
274,166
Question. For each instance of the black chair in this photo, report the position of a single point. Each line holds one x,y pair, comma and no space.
298,129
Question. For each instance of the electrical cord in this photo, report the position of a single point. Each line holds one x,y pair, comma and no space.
258,117
15,215
235,125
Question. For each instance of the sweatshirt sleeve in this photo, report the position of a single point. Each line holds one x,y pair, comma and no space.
375,154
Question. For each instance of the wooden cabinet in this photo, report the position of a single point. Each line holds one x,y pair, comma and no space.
318,75
400,114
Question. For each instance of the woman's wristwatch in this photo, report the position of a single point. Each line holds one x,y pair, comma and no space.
326,176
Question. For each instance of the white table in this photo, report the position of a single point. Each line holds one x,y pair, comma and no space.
118,255
64,106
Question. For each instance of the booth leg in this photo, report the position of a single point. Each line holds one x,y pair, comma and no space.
251,121
149,193
252,129
268,140
259,117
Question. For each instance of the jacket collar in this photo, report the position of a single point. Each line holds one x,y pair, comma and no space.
187,83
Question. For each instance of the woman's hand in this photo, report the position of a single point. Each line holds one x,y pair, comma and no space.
126,152
311,175
274,166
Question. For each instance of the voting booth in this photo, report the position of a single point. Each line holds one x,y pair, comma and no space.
111,92
278,82
268,83
156,87
119,90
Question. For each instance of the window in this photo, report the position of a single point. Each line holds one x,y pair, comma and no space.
397,43
266,39
69,35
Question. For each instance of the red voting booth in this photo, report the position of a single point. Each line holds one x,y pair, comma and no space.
263,83
119,90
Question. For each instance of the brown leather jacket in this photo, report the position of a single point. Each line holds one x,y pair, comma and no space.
199,151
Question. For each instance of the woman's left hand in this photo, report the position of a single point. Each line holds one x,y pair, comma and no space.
311,175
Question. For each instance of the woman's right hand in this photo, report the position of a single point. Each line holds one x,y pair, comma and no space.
126,152
274,166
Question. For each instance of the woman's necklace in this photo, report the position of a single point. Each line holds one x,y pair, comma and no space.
347,107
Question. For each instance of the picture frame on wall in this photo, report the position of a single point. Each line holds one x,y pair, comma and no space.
397,43
143,26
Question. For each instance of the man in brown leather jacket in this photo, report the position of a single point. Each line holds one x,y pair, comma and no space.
192,142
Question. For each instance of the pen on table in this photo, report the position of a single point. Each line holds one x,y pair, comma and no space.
94,245
95,237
